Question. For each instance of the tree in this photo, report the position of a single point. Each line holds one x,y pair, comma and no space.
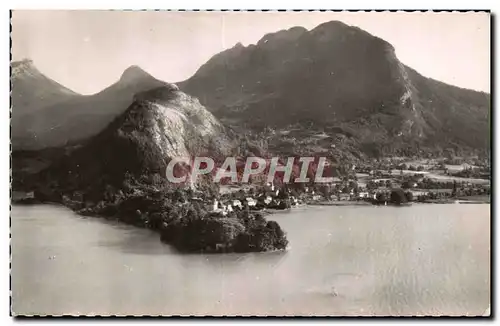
454,189
179,196
353,186
409,196
371,185
283,194
381,197
406,185
398,196
325,191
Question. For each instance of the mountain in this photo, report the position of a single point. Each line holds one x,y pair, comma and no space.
160,124
120,174
31,92
69,118
342,83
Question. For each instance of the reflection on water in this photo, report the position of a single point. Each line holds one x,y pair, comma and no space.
424,259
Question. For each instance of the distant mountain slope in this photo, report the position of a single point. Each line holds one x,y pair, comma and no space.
159,125
76,117
31,92
338,77
455,116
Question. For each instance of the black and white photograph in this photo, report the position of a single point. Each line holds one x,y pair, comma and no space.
250,163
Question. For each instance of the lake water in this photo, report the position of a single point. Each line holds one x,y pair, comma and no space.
419,260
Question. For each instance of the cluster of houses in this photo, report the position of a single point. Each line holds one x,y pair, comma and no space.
227,207
267,198
271,198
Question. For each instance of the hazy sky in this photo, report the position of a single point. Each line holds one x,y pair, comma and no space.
88,50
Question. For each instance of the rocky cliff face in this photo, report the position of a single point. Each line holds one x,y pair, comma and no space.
177,124
339,76
159,125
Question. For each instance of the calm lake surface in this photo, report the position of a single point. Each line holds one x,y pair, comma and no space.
419,260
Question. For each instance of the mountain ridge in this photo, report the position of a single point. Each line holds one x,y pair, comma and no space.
339,75
332,77
76,118
32,90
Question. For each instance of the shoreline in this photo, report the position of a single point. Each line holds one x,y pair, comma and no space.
268,211
340,203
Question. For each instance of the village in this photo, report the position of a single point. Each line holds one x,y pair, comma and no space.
401,184
384,183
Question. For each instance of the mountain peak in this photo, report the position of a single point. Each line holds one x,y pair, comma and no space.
284,35
22,67
23,62
164,92
331,25
334,30
133,73
345,76
26,76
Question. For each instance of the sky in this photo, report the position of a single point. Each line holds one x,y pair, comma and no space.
88,50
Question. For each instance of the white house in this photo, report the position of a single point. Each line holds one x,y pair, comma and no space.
344,197
251,201
237,203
